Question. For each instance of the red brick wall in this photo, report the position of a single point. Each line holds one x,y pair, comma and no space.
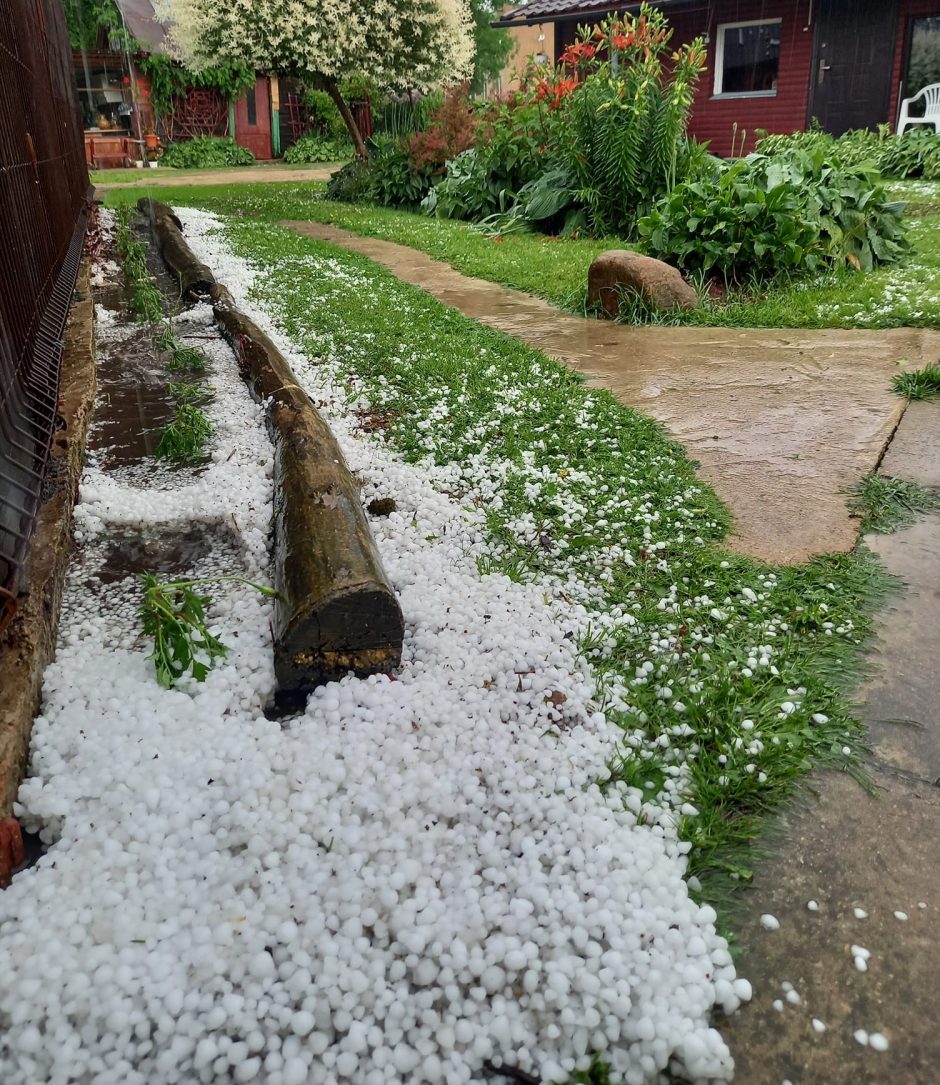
910,9
713,119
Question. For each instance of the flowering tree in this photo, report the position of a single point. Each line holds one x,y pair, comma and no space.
399,43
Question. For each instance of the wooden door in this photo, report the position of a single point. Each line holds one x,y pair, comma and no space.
853,58
253,120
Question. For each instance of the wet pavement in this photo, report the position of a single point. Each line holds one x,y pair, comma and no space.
782,422
246,175
848,849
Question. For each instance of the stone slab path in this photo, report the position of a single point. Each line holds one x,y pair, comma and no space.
847,849
781,422
244,175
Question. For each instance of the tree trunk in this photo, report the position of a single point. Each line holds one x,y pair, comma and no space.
332,88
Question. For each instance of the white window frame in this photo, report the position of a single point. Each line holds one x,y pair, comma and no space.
720,60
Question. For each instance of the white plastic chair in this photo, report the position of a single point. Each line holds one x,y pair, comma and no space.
931,96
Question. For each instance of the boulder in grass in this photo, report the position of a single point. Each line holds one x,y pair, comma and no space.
619,271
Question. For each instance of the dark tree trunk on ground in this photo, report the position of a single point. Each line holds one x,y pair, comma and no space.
336,610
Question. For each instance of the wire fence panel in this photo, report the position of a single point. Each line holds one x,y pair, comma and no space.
43,209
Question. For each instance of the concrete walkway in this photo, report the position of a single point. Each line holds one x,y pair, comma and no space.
781,422
846,849
236,175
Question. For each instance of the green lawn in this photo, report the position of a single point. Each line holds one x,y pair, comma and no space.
727,677
906,294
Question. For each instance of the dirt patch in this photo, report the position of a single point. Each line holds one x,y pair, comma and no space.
160,178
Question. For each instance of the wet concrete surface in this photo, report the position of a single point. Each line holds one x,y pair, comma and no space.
845,849
781,422
914,454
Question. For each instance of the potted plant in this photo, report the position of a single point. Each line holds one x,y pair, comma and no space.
152,140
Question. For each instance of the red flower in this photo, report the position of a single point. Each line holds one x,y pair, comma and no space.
578,52
562,89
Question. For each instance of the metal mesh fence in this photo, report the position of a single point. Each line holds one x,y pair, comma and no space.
43,208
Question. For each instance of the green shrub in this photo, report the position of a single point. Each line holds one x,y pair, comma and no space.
324,115
392,177
315,148
350,184
486,179
468,191
762,216
206,151
405,117
914,154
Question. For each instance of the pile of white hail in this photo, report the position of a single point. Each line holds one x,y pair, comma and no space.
411,879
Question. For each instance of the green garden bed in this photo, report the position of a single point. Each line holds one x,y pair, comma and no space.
903,294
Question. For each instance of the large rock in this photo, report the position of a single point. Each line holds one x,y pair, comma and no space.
619,271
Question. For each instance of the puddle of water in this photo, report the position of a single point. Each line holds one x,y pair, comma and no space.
132,406
163,553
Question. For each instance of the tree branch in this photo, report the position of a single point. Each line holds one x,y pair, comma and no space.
332,88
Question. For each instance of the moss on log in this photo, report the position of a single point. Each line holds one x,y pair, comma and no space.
337,612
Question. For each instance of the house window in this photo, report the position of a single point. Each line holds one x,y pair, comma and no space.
252,105
747,59
923,57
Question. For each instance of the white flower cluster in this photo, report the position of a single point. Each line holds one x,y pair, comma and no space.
399,43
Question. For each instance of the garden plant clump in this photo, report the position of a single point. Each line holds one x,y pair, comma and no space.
590,144
789,213
316,148
206,152
914,154
598,146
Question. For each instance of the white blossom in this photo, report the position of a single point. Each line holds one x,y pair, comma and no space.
399,43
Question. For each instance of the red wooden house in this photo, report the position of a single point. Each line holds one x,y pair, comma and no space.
114,95
777,65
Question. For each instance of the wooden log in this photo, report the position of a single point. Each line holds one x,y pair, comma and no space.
194,278
337,611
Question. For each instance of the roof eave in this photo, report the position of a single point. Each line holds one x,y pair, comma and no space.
585,12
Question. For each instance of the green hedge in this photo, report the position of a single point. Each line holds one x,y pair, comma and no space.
206,151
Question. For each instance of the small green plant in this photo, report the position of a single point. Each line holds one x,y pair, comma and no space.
190,359
145,301
206,151
184,439
316,148
181,357
884,504
165,339
175,616
918,383
188,393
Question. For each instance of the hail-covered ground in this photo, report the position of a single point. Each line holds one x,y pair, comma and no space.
412,879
